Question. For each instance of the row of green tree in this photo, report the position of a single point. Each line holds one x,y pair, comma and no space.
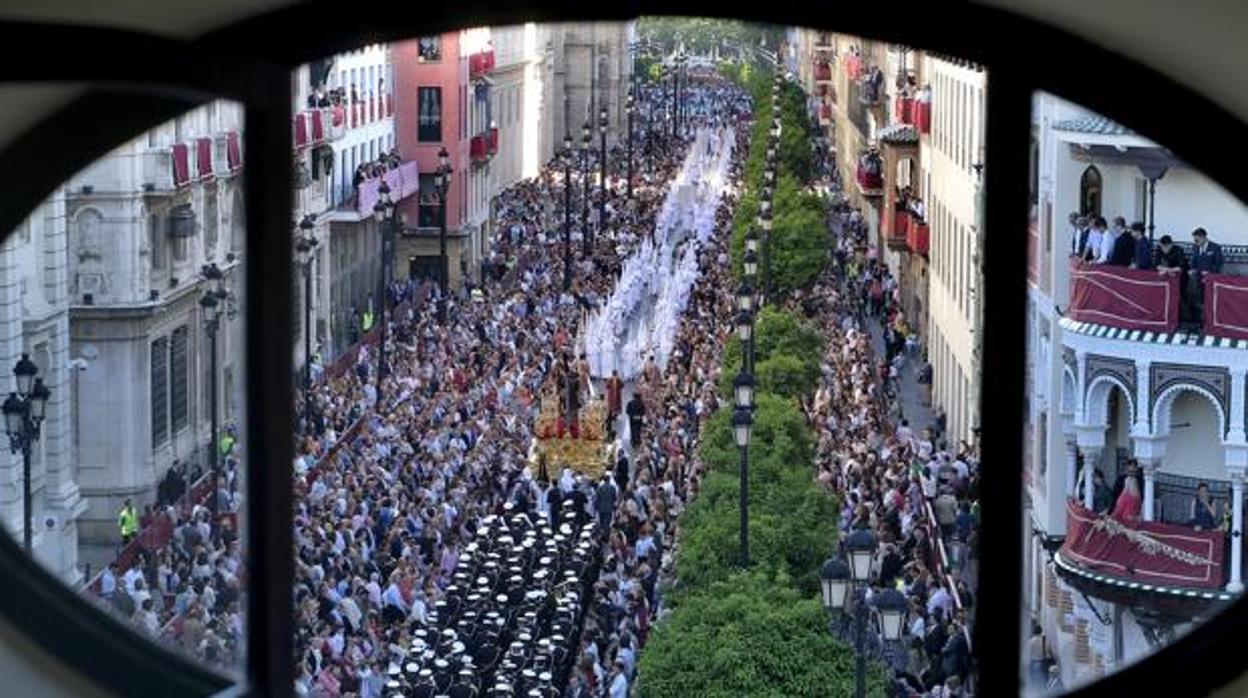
798,243
761,632
700,34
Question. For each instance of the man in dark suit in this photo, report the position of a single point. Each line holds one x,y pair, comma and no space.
1206,258
1123,251
1142,248
1170,261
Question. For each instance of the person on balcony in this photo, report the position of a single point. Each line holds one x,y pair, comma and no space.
1092,241
1206,258
1204,512
1142,248
1108,238
1102,496
1123,252
1127,508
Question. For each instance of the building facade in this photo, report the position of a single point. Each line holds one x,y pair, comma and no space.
34,319
1102,393
907,129
142,223
347,261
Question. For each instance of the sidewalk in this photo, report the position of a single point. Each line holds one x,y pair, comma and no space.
909,392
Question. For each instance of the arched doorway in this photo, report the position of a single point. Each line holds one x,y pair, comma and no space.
1090,191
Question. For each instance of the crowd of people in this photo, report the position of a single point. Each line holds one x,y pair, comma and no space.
918,496
430,559
383,523
188,590
377,168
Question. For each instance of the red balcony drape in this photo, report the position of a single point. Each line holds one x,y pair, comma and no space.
340,116
904,109
476,148
318,126
301,130
1123,298
923,115
1226,306
1104,546
203,157
493,141
233,151
181,164
918,235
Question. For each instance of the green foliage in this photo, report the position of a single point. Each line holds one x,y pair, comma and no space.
786,355
748,636
701,33
785,374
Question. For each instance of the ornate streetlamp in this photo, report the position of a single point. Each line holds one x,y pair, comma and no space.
24,411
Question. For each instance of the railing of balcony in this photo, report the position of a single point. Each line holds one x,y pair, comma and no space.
1199,302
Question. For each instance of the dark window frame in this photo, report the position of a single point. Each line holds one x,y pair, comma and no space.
159,389
34,164
427,109
179,379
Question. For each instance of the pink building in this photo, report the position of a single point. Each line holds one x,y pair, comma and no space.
442,100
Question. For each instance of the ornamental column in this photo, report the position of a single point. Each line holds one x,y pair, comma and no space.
1149,451
1072,465
1237,521
1091,456
1091,441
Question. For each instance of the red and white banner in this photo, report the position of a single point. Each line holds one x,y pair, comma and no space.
1226,306
1124,298
1151,553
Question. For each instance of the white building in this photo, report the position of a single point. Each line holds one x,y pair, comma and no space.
142,222
34,319
949,184
348,257
1100,394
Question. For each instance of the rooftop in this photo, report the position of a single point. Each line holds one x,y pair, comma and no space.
1093,123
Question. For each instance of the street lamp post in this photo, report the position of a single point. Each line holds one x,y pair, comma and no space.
24,411
383,211
838,580
586,139
630,109
305,248
745,312
602,188
568,155
742,425
442,180
212,305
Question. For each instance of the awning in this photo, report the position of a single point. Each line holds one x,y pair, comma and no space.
1153,160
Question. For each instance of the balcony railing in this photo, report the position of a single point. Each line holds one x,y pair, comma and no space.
918,235
896,225
481,63
923,111
403,182
1149,553
823,72
1123,298
491,142
903,109
477,148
